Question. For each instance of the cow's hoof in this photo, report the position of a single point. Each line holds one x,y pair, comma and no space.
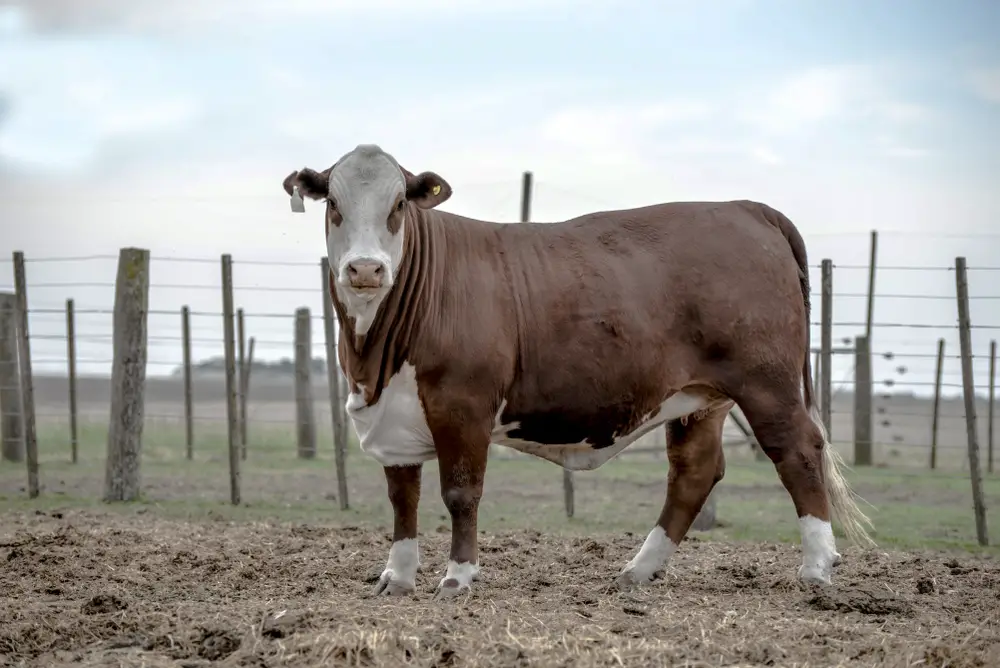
386,586
837,559
629,580
814,574
450,588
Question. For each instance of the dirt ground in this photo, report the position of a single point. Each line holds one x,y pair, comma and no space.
101,588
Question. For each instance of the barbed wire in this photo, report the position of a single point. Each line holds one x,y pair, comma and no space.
319,290
316,262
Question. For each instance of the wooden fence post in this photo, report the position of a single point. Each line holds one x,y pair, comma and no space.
229,346
333,374
122,481
11,434
74,437
305,419
188,395
990,405
826,344
862,401
241,366
969,392
27,379
245,393
937,402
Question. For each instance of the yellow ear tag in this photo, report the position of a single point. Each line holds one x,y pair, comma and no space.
436,190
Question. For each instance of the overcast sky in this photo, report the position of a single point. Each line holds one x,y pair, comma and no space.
165,126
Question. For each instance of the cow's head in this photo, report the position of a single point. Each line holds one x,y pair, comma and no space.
368,203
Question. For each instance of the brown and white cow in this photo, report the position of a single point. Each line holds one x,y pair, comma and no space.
569,341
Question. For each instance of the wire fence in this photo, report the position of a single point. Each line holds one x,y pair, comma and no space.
915,309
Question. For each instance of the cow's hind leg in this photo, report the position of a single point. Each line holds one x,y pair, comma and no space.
809,468
697,463
400,574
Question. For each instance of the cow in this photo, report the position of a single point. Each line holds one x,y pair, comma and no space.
569,341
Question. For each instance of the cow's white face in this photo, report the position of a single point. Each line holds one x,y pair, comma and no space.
367,195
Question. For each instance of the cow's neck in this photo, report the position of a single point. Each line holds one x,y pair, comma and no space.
373,358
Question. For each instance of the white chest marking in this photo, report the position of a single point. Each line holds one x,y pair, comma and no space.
583,456
394,430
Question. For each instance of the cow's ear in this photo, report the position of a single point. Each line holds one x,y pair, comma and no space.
306,183
427,190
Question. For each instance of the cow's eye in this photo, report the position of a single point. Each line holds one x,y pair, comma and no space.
332,202
399,206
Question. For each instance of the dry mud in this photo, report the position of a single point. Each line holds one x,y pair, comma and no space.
117,589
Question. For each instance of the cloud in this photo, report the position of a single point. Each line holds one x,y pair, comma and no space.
159,16
985,82
820,96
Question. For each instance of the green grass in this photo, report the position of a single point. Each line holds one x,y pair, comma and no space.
913,510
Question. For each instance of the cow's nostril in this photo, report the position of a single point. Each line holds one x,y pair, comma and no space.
378,270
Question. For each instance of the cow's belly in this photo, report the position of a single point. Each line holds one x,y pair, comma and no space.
583,456
394,430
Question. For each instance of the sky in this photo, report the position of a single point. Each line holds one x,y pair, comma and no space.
170,126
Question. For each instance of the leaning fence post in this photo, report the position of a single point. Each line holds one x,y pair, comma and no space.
826,344
74,440
188,397
241,366
969,392
862,401
128,376
937,402
11,433
990,403
27,380
229,346
305,419
333,382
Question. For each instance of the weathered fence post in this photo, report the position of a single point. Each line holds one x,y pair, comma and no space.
705,519
527,183
937,402
122,480
969,392
27,380
229,346
188,396
245,393
990,405
333,382
305,420
826,344
862,401
74,439
11,434
241,340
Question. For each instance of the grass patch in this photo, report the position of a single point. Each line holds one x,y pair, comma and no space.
913,510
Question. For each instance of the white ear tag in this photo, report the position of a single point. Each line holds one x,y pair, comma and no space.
298,206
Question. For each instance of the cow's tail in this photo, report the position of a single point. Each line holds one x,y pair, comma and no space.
844,503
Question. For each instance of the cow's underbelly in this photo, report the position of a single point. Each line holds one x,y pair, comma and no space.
394,431
583,455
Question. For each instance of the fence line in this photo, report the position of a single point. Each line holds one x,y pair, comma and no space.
886,439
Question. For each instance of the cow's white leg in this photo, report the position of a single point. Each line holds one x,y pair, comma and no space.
650,560
819,551
694,449
400,574
463,448
458,578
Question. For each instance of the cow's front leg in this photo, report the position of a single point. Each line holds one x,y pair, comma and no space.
462,461
400,574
